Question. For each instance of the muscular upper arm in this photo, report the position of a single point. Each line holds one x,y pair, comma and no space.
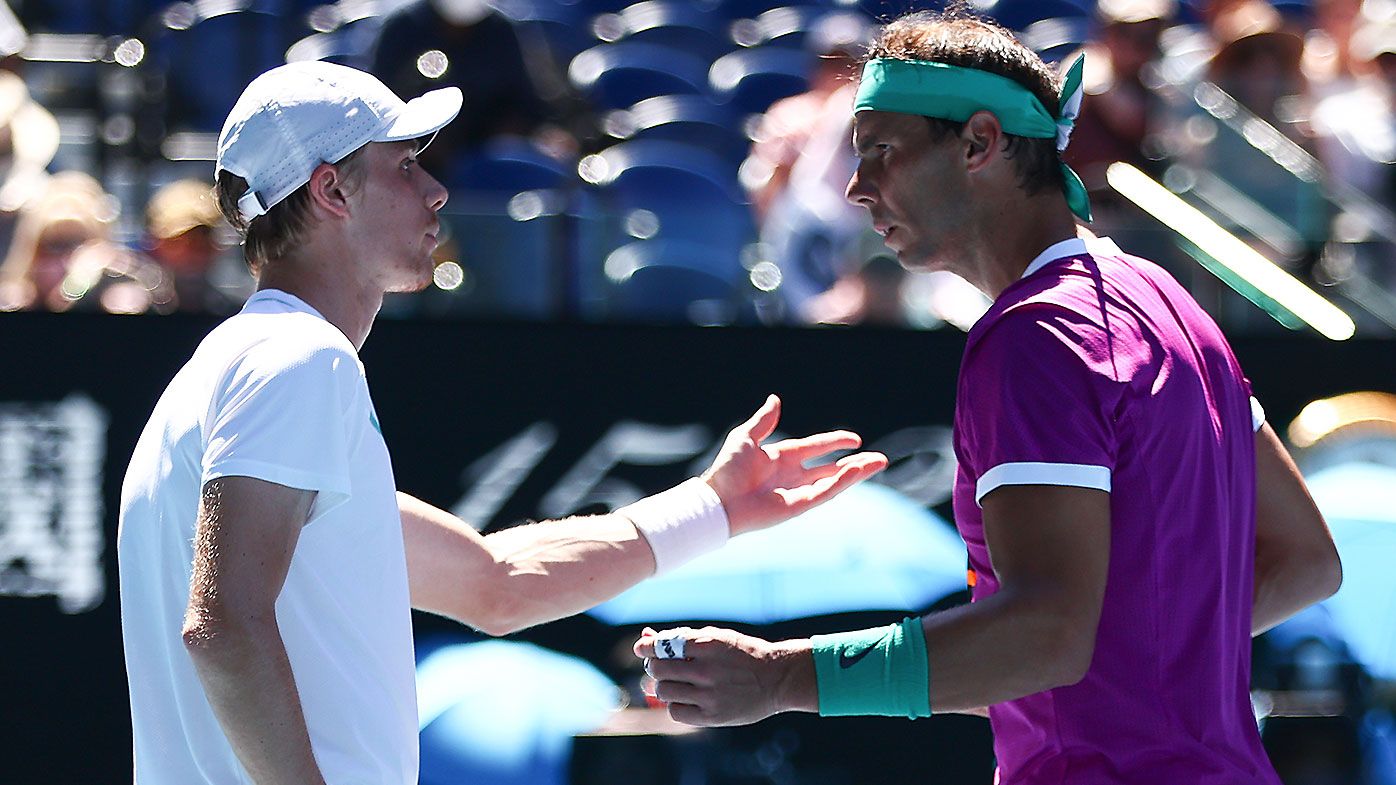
1292,542
450,570
1050,549
243,542
1286,516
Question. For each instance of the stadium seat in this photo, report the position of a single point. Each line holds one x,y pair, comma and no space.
506,166
613,76
747,9
689,119
674,24
506,220
787,26
112,17
659,282
351,44
565,28
1019,14
689,194
208,62
1057,39
750,80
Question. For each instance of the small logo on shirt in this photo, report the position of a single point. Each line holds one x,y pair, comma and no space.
373,420
847,660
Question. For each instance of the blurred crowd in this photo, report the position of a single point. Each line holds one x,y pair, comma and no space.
683,159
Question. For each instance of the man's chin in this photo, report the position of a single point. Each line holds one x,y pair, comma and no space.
416,284
918,261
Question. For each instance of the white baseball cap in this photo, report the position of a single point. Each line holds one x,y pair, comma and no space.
297,116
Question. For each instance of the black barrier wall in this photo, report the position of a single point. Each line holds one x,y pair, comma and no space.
499,423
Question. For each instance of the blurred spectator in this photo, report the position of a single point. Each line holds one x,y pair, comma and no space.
70,222
1357,127
869,294
801,162
1121,118
511,85
1329,62
1119,112
838,40
28,143
186,238
1258,61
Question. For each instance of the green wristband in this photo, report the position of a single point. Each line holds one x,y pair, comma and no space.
882,671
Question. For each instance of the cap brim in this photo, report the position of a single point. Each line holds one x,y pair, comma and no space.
424,115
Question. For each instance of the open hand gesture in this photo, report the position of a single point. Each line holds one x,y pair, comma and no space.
764,484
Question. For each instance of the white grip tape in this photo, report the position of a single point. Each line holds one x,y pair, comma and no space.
681,523
669,647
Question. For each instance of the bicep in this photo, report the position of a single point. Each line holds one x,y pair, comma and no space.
448,562
1287,522
244,539
1050,545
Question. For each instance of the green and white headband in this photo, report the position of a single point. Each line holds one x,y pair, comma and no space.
951,92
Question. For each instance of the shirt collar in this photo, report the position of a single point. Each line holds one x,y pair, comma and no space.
1076,246
281,298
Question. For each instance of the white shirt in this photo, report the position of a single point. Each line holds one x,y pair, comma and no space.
276,393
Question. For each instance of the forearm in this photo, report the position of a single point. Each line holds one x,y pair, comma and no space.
1002,648
559,568
248,680
1284,589
992,651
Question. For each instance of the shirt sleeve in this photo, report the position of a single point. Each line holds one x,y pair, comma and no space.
1257,414
1038,403
284,420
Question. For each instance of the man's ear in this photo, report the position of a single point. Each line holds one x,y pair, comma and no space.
982,136
327,191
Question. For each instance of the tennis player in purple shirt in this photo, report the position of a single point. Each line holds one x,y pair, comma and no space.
1130,518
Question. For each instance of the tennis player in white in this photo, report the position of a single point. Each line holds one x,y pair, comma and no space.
267,561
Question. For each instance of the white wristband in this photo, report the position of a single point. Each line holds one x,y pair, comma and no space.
681,523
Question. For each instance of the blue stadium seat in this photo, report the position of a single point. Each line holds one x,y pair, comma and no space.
591,8
104,17
505,220
1056,39
613,76
692,194
664,283
674,24
506,166
1018,14
751,80
565,28
351,44
786,26
748,9
208,63
689,119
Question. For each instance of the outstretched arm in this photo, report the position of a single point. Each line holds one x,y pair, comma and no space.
1050,548
539,572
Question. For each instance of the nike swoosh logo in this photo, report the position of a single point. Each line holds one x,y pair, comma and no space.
847,660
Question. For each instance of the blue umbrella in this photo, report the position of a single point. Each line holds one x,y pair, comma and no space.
1359,501
504,712
871,548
